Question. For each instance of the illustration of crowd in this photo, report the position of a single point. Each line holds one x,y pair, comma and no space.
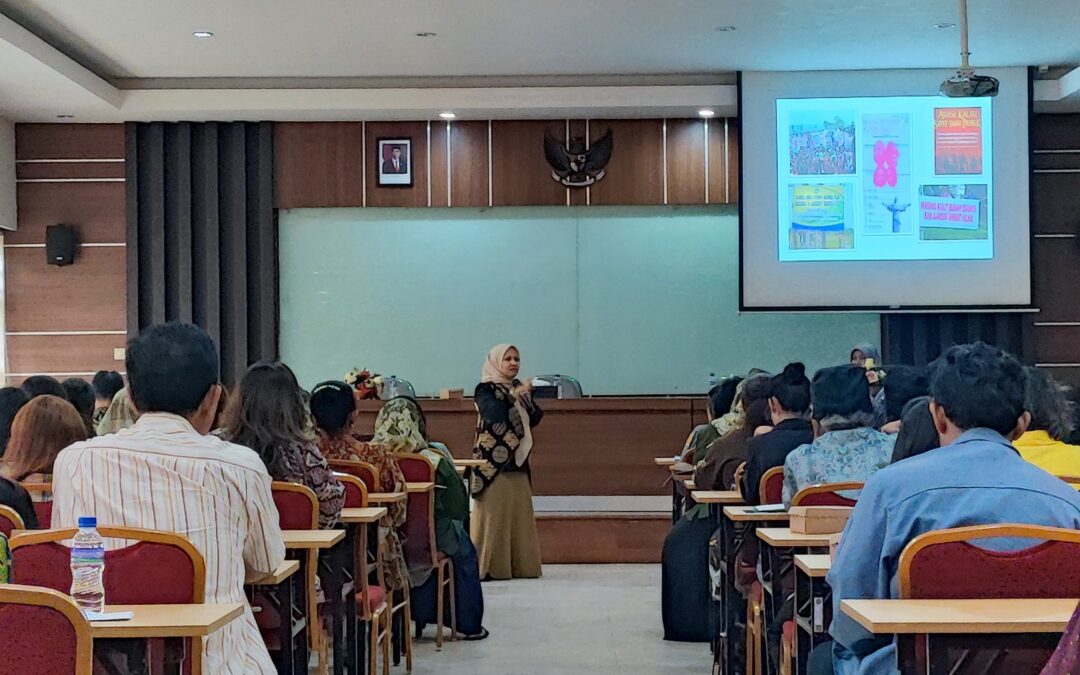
825,149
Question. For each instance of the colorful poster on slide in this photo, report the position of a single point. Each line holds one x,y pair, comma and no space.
958,141
953,212
886,174
821,218
822,143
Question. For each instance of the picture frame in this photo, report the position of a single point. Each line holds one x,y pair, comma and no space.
394,162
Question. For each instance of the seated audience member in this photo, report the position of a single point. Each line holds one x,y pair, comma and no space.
724,455
119,415
400,426
789,408
12,399
1066,658
333,408
166,473
1052,420
847,447
267,414
40,385
106,383
903,384
976,477
81,395
868,357
918,433
14,495
723,416
44,427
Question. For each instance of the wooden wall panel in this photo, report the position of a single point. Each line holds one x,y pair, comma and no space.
96,209
720,153
69,141
414,196
89,295
1057,197
581,196
685,151
63,353
469,164
318,164
635,174
731,169
51,170
1056,278
439,173
520,173
611,538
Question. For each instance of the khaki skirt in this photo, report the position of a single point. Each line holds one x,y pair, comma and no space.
504,530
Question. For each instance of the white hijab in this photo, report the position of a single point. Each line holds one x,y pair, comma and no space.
493,372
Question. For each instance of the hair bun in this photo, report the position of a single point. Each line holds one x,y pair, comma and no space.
794,372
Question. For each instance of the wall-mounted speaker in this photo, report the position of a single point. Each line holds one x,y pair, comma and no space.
61,243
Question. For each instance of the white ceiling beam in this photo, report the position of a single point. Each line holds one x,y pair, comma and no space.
33,46
1067,86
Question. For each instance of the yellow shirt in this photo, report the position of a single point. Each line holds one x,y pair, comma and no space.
1056,457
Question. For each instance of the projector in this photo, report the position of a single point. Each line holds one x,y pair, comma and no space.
967,84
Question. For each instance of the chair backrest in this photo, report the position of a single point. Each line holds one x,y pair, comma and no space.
42,495
10,520
362,470
159,568
46,633
419,528
355,491
946,565
297,505
825,495
771,487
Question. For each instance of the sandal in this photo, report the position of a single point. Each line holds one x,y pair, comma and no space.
483,634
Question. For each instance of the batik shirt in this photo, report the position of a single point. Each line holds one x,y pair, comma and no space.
850,455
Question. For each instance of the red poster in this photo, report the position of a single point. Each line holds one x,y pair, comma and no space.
958,141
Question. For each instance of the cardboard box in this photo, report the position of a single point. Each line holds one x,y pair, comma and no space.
447,394
819,519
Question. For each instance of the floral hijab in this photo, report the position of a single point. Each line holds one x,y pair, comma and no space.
400,425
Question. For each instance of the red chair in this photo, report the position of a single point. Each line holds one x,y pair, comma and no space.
946,565
420,546
159,568
355,491
10,520
362,470
43,505
825,494
771,487
46,635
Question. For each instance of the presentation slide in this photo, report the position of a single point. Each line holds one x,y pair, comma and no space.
869,191
884,178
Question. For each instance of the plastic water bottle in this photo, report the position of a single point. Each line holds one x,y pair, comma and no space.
88,567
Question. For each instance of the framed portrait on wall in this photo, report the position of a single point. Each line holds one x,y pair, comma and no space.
394,162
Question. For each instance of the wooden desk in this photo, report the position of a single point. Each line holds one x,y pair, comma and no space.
312,539
664,461
944,627
689,484
469,462
367,515
747,514
813,606
815,566
166,621
783,537
417,487
283,572
717,496
386,497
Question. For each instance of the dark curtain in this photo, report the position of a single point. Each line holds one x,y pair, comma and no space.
202,234
917,339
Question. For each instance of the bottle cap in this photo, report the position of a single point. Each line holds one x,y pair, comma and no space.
87,521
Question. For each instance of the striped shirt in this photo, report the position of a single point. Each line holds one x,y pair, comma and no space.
162,474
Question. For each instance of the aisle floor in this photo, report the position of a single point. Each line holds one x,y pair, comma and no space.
577,619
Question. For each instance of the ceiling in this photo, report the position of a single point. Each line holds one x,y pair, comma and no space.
289,44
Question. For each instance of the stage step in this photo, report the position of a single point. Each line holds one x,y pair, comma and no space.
602,536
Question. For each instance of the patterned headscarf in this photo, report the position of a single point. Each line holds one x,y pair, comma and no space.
401,425
120,414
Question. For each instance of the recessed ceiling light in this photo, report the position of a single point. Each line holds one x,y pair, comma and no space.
945,25
426,34
202,35
64,117
447,115
724,29
707,112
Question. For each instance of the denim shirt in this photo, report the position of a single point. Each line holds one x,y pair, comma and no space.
850,455
979,479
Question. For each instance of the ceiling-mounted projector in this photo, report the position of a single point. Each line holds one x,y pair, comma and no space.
966,83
